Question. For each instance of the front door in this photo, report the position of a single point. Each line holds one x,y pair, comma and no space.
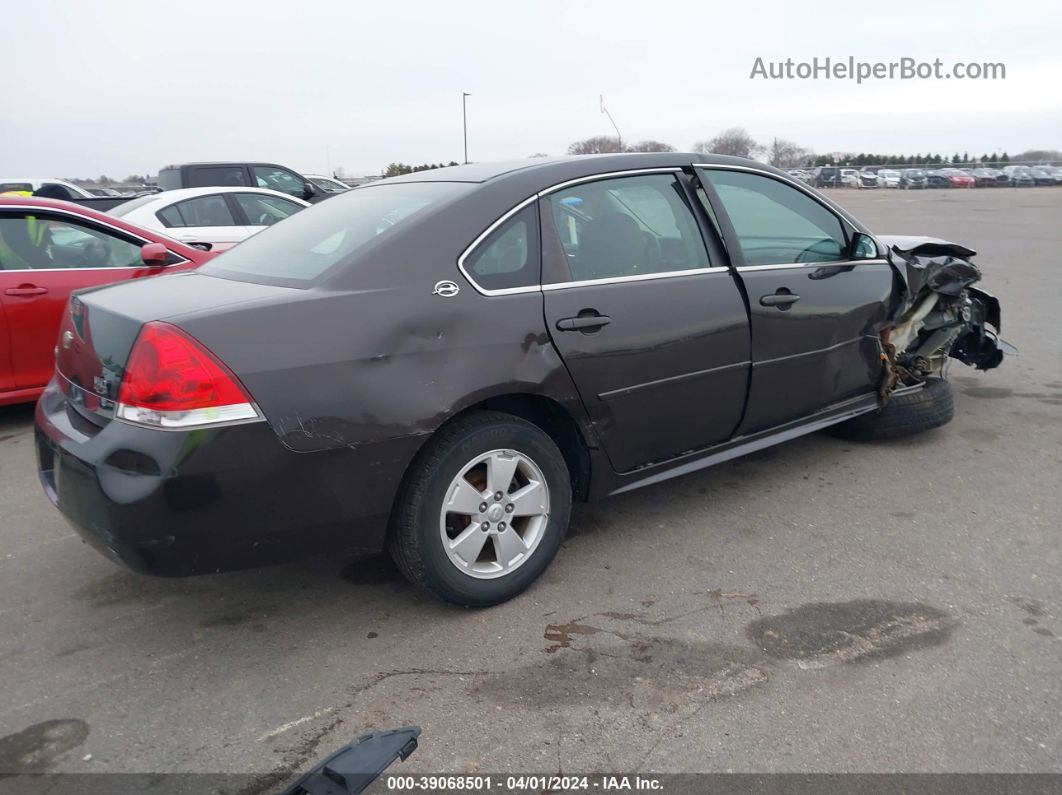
816,312
43,256
652,327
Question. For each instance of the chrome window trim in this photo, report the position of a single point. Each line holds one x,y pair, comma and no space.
638,277
791,265
531,288
534,288
87,220
608,175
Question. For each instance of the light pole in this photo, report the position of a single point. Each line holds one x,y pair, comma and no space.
619,135
464,119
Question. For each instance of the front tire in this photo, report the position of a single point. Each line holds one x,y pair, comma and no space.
930,407
483,510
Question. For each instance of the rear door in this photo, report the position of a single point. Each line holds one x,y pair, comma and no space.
816,312
211,219
43,256
649,321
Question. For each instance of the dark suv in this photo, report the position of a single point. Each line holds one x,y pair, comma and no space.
254,175
437,364
827,177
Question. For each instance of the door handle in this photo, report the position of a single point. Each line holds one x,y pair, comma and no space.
26,291
779,299
583,322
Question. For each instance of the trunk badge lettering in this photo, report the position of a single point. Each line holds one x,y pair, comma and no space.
446,289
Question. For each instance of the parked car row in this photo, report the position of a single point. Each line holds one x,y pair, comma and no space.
918,178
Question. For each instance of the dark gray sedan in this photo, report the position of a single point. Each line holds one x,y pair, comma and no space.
438,364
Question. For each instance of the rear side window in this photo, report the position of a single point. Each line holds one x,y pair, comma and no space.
331,233
776,223
207,176
509,256
202,211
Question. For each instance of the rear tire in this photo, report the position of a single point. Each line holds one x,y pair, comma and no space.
451,492
903,415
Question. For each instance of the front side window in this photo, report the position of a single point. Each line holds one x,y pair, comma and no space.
279,179
777,224
627,226
509,256
209,176
201,211
29,242
265,210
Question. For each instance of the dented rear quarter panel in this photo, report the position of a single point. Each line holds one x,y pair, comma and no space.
372,362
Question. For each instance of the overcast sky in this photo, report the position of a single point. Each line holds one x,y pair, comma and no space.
113,87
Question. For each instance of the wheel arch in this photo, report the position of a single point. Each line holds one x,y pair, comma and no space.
547,414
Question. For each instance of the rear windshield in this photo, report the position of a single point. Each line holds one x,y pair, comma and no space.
299,249
126,207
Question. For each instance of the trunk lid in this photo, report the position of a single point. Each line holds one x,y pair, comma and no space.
100,326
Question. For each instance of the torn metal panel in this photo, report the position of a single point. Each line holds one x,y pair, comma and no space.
940,314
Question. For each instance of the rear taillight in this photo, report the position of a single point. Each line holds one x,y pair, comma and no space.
171,381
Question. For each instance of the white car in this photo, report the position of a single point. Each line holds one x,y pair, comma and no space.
888,178
327,184
54,188
214,218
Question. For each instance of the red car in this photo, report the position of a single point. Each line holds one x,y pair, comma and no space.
958,179
48,248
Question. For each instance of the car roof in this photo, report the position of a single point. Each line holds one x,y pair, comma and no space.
224,163
557,169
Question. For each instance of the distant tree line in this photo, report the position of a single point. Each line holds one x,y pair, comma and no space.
781,153
103,180
397,169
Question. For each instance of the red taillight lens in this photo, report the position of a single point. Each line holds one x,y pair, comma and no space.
172,381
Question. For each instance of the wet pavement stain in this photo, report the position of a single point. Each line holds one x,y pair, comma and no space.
623,671
828,633
36,748
561,634
1033,607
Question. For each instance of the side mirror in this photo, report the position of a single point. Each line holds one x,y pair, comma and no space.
154,255
863,247
308,191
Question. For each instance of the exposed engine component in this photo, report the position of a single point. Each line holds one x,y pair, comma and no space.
940,314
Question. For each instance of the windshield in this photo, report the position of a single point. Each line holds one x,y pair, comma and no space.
328,185
304,246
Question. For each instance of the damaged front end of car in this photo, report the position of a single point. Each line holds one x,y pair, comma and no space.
939,316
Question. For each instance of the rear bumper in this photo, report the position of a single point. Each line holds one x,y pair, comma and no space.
192,502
